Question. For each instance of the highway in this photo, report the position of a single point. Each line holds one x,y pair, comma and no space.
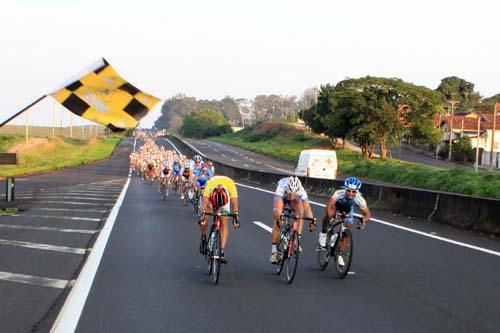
153,279
407,275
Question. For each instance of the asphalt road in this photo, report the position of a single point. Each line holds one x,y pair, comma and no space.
234,156
152,279
43,247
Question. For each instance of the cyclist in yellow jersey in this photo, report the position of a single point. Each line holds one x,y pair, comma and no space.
222,196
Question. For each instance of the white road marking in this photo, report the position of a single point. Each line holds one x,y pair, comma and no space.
45,247
351,273
215,150
194,148
27,227
74,203
282,170
43,196
34,280
68,318
233,160
69,210
77,192
223,155
77,218
246,165
178,151
421,233
263,226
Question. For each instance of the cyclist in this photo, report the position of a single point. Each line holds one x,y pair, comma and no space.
201,178
289,193
186,176
164,177
176,170
221,194
343,201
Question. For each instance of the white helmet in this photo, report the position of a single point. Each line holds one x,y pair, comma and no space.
294,184
187,165
197,158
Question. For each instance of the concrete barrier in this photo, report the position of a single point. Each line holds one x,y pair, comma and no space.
466,212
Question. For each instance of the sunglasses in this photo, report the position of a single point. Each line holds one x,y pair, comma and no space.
351,191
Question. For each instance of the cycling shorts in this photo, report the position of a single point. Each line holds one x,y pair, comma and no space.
201,182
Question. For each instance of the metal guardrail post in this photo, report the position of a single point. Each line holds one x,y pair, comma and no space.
10,183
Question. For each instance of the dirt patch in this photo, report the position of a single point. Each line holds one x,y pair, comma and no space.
20,147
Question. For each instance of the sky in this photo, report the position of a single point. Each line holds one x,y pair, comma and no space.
210,49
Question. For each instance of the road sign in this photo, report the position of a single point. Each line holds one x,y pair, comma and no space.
8,158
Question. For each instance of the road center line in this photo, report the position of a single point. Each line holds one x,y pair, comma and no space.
77,218
263,226
418,232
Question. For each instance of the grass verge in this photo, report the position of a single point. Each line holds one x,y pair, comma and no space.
59,152
287,142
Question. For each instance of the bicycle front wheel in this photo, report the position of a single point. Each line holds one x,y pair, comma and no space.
344,249
293,257
215,258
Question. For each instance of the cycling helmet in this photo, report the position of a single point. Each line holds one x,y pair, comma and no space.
219,197
352,183
293,184
187,165
197,158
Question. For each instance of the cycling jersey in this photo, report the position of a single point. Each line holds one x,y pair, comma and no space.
283,185
345,205
223,181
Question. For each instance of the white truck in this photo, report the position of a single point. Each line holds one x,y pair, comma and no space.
317,163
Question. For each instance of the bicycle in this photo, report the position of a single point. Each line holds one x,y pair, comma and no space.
214,246
163,191
175,185
288,246
188,192
197,200
336,233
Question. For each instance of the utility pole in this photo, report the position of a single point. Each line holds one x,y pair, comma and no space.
53,118
476,165
453,103
493,135
437,143
26,125
71,124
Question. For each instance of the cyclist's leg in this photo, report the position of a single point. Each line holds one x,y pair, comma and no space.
348,224
299,210
224,229
278,204
204,223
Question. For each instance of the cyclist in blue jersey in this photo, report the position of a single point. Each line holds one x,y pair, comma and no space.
202,175
343,201
176,171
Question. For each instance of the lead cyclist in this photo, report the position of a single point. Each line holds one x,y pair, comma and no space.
343,201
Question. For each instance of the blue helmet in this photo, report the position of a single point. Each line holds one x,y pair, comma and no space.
352,183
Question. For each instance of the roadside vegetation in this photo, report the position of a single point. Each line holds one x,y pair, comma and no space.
44,154
285,141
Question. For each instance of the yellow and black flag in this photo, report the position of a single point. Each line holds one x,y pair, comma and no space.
104,97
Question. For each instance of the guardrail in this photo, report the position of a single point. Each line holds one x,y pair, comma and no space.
466,212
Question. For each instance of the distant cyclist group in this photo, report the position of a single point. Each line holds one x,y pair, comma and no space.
217,196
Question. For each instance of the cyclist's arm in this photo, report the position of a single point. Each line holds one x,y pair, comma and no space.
330,210
366,215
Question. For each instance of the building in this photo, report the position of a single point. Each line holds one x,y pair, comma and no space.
466,124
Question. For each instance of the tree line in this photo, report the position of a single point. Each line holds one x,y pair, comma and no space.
238,111
375,111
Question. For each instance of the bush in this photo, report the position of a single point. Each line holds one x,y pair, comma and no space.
462,150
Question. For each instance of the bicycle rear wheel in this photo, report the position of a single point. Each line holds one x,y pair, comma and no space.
346,253
163,191
185,198
293,257
215,258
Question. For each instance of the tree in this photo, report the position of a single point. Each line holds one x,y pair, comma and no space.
455,88
373,110
201,123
